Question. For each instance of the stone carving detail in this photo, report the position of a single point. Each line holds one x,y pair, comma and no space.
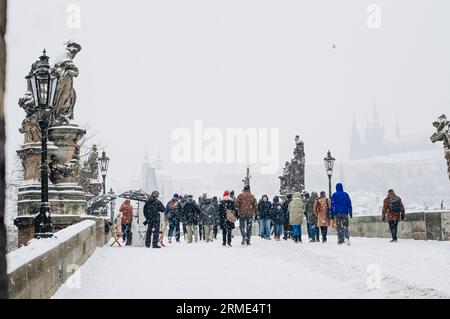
293,177
442,134
30,126
59,173
65,93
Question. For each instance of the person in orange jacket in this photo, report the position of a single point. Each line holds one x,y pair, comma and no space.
127,216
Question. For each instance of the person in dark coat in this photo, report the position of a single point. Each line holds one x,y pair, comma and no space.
341,210
394,211
275,202
227,204
286,225
208,217
191,213
311,218
215,202
152,209
173,214
183,200
277,217
264,213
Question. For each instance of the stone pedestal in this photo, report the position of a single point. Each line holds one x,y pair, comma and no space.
67,198
30,154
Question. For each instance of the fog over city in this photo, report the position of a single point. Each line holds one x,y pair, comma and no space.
309,68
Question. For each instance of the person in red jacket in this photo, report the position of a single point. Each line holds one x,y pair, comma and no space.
393,211
127,216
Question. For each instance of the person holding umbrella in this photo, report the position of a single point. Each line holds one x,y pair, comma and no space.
152,209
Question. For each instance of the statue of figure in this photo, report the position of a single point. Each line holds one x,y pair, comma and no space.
442,134
299,151
65,93
92,163
30,127
285,179
293,176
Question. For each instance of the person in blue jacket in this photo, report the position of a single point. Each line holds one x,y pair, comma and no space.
340,211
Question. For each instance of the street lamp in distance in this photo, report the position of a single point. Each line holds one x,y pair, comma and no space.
43,81
329,164
104,163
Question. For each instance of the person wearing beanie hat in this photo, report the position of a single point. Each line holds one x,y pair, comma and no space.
227,206
152,209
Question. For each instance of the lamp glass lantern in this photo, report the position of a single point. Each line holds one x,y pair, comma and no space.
43,82
104,163
329,163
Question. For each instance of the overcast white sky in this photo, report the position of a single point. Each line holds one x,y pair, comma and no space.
148,67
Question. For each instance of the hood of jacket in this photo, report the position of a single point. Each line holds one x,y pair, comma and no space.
339,187
297,195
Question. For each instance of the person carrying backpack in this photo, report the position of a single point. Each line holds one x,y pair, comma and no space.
173,214
393,211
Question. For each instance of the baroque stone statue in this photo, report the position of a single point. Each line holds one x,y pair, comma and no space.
65,93
30,127
293,177
93,163
442,134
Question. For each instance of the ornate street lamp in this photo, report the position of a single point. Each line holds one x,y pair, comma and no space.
329,164
112,205
104,163
42,81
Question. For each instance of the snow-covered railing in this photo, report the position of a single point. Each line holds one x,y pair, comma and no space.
425,225
40,268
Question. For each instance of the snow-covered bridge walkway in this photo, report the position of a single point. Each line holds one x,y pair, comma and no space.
369,268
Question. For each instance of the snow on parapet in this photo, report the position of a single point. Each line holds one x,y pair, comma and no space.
38,247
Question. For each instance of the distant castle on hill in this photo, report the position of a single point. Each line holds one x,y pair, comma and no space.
374,142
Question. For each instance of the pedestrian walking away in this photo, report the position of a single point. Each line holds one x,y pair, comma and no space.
393,211
321,210
296,214
246,206
341,211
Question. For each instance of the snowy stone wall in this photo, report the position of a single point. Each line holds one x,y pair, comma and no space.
419,225
40,268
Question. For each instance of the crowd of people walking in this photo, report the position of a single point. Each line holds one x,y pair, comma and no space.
279,219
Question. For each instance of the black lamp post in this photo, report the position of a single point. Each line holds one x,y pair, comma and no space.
111,192
329,164
42,81
104,163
